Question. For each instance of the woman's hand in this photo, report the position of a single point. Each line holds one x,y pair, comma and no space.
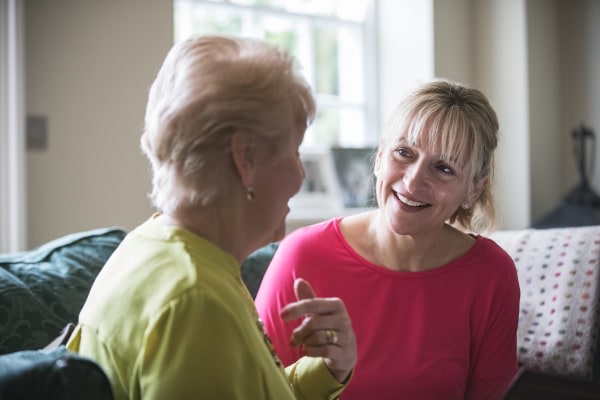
326,330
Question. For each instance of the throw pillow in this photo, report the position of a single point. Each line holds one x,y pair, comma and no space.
559,277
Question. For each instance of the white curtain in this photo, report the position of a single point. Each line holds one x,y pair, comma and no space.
12,128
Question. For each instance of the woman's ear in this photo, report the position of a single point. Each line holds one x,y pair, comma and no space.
243,153
477,190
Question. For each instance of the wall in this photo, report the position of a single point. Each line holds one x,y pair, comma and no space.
403,63
13,233
89,65
579,78
564,84
501,72
547,156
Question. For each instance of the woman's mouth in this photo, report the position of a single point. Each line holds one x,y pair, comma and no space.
409,202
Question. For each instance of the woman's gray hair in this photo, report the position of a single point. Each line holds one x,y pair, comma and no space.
462,121
207,89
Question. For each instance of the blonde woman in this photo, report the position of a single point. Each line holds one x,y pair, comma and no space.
434,307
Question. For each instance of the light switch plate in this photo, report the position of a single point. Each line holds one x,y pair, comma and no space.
37,132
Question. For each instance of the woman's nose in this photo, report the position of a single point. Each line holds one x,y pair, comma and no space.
414,177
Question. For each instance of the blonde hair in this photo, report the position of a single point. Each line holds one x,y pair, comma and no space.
462,122
207,89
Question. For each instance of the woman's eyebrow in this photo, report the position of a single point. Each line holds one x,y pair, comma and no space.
454,160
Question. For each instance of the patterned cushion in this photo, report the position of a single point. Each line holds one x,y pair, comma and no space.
559,276
43,289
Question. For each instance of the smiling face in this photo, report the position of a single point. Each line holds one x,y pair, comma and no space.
443,136
418,188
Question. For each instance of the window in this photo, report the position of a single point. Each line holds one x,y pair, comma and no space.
333,41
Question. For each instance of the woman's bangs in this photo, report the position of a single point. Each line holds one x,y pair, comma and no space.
456,138
442,131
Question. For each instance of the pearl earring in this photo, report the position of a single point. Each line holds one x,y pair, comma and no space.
250,195
465,206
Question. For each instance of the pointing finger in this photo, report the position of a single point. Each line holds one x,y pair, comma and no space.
303,289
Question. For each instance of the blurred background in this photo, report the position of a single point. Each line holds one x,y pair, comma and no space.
75,74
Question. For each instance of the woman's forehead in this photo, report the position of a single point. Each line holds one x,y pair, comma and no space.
420,141
437,146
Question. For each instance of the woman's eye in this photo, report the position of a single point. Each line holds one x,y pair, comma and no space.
402,152
446,169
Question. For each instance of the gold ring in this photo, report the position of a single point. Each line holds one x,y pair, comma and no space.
331,336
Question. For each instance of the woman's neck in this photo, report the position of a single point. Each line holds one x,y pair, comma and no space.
209,225
369,236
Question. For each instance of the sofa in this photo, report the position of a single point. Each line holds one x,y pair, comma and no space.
42,290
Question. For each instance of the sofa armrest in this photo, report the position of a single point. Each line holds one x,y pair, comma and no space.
44,289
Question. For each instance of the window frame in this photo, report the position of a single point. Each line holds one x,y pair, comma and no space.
369,106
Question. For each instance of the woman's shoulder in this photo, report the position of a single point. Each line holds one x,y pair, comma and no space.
311,241
316,232
489,246
488,252
334,232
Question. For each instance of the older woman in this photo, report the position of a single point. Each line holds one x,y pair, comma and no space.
169,316
434,308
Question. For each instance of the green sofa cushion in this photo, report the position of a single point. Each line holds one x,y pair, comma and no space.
254,267
44,289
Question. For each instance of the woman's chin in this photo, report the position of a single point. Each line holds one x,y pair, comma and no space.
279,232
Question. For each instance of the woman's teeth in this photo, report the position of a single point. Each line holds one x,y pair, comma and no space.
410,202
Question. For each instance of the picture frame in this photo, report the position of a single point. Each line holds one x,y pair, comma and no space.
319,191
354,175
